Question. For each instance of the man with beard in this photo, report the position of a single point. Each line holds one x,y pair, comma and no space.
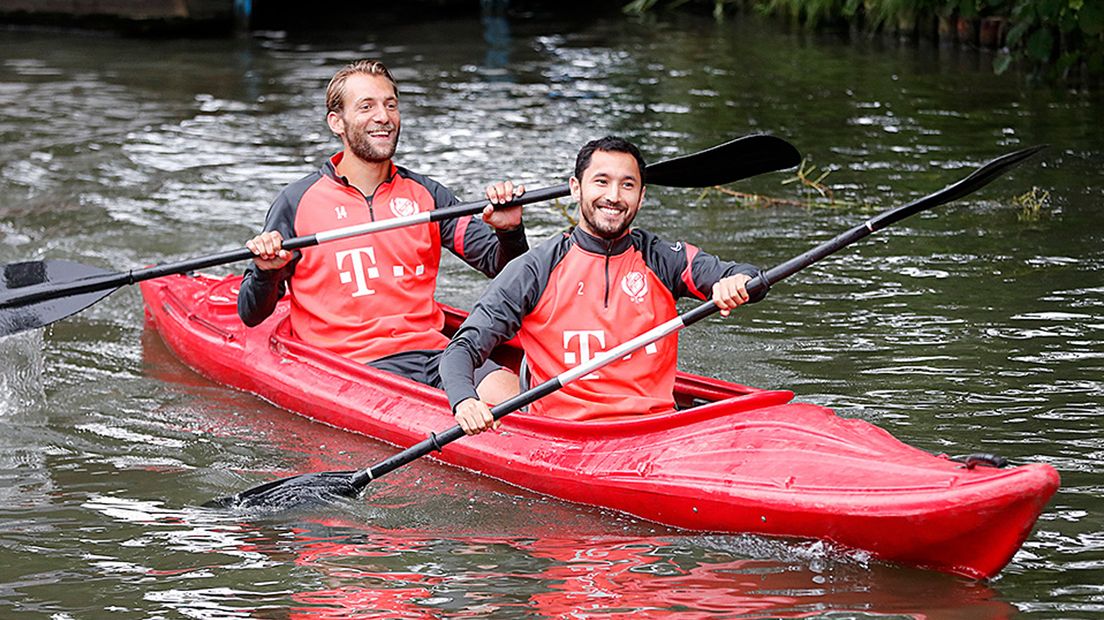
371,298
587,291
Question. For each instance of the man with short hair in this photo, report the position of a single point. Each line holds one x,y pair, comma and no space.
371,298
587,291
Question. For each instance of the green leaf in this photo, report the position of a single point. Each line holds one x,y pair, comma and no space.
638,7
1049,10
1040,44
1091,17
1023,10
1017,32
1001,63
1067,22
1065,61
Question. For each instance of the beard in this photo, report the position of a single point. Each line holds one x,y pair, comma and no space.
603,229
364,148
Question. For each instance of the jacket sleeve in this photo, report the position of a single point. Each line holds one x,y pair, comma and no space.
481,246
260,290
475,242
495,319
688,271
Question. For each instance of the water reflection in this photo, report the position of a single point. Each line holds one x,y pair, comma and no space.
379,573
352,570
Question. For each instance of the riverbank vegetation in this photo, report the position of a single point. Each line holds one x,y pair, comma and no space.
1055,38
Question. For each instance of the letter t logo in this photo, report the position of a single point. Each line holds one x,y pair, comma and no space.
359,274
571,358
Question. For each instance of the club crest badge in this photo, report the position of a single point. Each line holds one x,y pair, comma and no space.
635,286
403,207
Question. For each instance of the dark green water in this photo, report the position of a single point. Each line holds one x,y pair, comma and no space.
975,327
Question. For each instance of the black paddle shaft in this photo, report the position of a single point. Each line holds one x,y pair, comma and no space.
51,290
975,181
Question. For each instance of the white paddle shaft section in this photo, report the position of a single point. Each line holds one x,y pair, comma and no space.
621,350
370,227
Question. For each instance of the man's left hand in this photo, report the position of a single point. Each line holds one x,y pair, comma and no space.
501,193
731,292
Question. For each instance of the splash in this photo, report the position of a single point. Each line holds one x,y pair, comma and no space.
21,386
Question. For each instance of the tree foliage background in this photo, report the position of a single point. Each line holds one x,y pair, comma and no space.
1057,38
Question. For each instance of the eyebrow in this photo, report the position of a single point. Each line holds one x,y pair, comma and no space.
384,99
610,176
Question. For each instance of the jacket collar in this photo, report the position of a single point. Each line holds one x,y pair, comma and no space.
597,245
329,169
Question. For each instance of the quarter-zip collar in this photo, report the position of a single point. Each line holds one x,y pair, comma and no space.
596,245
329,170
606,248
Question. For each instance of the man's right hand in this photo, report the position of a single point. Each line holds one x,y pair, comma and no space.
474,416
269,250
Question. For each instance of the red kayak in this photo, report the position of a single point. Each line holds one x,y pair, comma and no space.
732,459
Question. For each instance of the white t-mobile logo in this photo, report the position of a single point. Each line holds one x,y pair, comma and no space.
585,352
361,272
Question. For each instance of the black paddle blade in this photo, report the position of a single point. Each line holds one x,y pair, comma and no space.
17,276
977,179
990,172
299,491
734,160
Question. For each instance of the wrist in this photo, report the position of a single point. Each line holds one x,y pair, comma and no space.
462,403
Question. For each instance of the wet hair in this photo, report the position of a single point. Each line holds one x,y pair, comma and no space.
610,144
335,92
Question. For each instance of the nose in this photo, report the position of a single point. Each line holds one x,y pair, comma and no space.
379,115
612,193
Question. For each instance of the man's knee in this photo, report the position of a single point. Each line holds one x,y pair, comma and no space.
498,386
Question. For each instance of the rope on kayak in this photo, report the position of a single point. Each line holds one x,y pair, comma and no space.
970,461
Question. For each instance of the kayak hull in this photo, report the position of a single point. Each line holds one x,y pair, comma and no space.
735,459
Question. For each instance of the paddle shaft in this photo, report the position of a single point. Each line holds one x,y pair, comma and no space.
976,180
33,294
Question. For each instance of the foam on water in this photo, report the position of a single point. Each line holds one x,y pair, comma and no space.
21,375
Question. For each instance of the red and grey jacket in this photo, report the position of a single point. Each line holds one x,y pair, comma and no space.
576,295
370,296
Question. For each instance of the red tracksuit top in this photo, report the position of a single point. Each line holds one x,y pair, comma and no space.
575,296
369,296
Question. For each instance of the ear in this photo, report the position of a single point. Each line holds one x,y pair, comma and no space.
336,123
576,189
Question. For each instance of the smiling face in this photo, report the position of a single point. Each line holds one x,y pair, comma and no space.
609,194
368,122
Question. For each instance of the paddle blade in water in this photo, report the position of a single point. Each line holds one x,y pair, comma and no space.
290,493
725,163
17,276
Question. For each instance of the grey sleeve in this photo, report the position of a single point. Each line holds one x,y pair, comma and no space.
496,318
469,237
688,271
481,246
707,270
260,290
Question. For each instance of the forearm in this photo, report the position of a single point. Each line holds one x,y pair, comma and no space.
482,247
259,293
511,244
751,271
457,369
